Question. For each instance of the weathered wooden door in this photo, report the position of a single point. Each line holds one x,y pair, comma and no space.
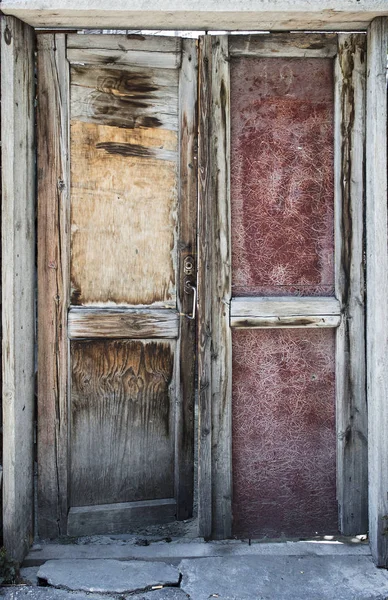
282,400
116,281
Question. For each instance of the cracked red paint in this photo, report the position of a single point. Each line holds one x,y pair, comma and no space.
282,176
284,447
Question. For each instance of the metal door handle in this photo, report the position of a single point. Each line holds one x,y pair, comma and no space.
189,287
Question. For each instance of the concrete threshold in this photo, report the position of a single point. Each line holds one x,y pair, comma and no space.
109,568
128,549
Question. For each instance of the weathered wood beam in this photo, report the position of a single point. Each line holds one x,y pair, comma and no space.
284,312
291,45
98,56
205,243
18,282
215,345
377,288
275,15
187,269
130,323
53,292
120,43
351,405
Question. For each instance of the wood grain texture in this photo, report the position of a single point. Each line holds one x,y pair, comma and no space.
215,290
274,15
351,403
187,215
128,97
126,323
98,56
287,307
148,43
18,282
53,282
119,518
284,312
377,286
284,442
122,421
282,176
296,45
295,322
205,273
123,218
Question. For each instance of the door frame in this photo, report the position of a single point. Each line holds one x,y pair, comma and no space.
17,48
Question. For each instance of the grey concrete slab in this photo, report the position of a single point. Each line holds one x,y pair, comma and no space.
42,593
108,548
284,578
106,576
29,575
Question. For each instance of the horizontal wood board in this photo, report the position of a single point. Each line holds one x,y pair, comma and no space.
287,307
145,43
98,56
274,15
126,323
284,312
296,45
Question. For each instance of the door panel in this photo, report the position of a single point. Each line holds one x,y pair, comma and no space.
282,377
123,181
284,446
129,251
282,176
122,421
282,230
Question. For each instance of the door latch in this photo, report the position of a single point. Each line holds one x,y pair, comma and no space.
189,287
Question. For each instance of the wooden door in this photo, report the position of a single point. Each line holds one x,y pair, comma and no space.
283,448
116,281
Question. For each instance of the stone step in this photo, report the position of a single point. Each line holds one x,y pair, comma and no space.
108,576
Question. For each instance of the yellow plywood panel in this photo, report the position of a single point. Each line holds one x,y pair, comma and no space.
123,215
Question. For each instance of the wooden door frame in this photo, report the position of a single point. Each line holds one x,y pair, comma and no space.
19,198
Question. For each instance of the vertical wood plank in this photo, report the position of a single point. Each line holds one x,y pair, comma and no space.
53,269
18,275
351,406
215,289
377,287
205,245
188,144
221,294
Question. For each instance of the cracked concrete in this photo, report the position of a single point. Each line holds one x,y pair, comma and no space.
105,576
228,570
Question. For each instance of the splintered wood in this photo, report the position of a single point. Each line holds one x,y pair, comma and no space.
124,163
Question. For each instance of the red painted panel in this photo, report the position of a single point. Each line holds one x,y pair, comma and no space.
284,471
282,176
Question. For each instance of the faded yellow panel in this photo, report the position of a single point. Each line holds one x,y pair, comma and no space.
123,215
